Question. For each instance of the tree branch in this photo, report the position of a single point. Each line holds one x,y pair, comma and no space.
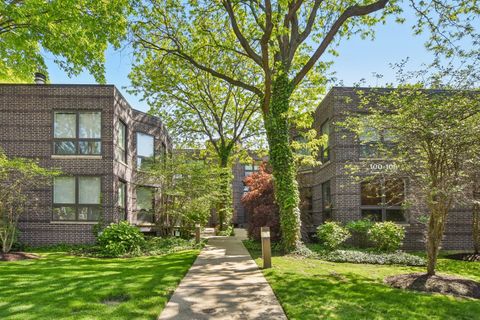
182,55
353,11
241,38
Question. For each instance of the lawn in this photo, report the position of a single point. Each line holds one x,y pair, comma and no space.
59,286
315,289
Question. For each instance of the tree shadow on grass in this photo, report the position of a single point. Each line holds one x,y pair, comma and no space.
350,296
60,286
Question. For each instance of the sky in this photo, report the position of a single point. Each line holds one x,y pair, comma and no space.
359,59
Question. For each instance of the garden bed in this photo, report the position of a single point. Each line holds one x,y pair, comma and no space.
438,283
16,256
472,257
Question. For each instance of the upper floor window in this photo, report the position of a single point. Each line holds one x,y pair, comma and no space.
325,132
382,200
374,143
77,133
121,143
251,168
145,149
77,198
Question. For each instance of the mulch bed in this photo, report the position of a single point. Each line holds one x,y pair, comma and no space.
15,256
438,283
472,257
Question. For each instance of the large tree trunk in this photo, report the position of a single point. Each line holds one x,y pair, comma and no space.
436,227
225,203
281,159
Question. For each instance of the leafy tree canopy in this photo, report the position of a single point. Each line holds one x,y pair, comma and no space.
75,32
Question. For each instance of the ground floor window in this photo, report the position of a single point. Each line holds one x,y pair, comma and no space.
145,205
122,198
382,199
77,198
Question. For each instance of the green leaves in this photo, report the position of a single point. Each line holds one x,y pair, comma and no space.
17,177
76,33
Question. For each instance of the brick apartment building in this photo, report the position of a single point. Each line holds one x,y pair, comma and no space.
330,191
97,140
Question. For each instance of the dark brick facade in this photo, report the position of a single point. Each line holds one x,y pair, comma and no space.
240,171
345,189
26,130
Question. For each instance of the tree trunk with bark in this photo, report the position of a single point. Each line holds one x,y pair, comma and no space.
281,159
225,203
436,227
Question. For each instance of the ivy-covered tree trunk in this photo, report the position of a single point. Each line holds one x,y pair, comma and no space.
281,159
225,189
436,227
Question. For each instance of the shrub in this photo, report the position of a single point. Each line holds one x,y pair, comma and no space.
158,245
332,235
260,204
387,236
359,230
360,226
119,239
229,231
253,245
353,256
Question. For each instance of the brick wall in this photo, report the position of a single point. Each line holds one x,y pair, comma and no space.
345,189
26,130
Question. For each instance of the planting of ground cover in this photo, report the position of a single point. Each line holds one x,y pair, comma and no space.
61,286
316,289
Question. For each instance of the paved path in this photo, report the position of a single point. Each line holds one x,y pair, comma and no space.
223,283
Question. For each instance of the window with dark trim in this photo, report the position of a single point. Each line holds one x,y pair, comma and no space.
381,200
77,198
326,200
248,170
374,143
145,150
122,198
77,133
145,205
121,143
325,132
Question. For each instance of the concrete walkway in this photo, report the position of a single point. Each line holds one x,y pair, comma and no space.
223,283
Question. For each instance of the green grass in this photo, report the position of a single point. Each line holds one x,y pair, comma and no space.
59,286
315,289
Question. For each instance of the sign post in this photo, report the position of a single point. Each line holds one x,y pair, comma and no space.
197,233
266,248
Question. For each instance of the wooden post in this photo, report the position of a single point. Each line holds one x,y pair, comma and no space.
266,248
197,233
